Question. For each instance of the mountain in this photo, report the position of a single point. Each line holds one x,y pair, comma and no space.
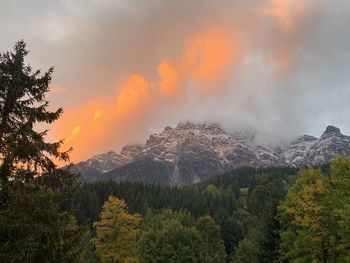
100,164
193,152
310,151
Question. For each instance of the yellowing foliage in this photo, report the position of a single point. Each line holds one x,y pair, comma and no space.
315,216
116,233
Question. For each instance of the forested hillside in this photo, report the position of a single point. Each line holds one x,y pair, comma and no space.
265,215
242,203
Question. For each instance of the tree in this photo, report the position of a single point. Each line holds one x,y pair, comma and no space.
178,237
313,214
24,154
340,202
33,230
247,251
213,245
116,232
232,233
32,226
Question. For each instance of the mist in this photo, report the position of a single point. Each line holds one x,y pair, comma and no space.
127,68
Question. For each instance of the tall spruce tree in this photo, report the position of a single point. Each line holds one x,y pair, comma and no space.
24,154
32,226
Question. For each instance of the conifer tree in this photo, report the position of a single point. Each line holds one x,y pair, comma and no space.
32,226
24,153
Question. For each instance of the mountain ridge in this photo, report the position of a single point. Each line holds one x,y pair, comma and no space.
193,152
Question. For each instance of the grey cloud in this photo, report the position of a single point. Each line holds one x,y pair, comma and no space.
93,44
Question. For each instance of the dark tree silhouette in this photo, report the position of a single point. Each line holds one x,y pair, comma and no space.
33,227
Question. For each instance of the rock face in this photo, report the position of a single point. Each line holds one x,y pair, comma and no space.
310,151
191,152
97,165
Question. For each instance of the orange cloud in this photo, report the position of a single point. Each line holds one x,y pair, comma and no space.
97,115
170,79
286,12
209,56
134,93
57,90
89,128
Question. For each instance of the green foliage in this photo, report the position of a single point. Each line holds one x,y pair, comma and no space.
314,215
178,237
33,228
213,248
212,190
257,216
116,233
217,198
24,154
340,196
247,251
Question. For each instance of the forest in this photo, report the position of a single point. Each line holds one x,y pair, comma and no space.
247,215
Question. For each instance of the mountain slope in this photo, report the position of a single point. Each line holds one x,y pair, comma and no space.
191,153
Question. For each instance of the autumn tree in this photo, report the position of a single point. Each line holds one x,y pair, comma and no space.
32,226
314,215
116,231
339,200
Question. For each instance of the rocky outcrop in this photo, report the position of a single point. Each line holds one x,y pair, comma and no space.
192,152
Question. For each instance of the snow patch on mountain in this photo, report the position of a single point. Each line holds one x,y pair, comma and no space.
192,152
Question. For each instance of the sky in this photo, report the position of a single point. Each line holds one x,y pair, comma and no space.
127,68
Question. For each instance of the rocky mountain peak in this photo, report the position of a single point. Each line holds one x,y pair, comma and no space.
131,150
192,152
332,129
303,138
208,126
186,126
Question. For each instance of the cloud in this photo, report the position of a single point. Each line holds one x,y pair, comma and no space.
57,90
124,69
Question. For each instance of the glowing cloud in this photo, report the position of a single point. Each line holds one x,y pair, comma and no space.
286,12
208,57
204,62
170,79
133,94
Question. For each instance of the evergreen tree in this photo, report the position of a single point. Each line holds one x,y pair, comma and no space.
32,226
116,232
24,154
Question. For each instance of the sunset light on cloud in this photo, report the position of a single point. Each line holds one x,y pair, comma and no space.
286,12
204,62
131,68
